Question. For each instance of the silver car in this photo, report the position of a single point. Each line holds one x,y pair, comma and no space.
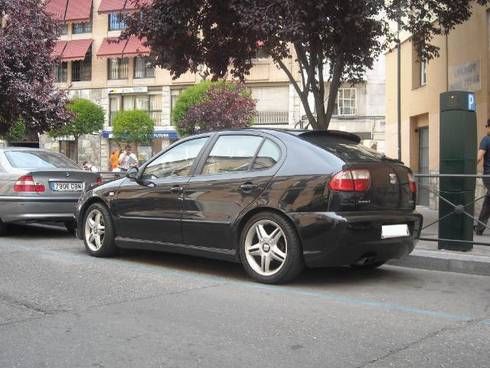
40,186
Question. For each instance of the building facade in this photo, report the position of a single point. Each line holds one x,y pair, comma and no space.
360,108
117,76
462,65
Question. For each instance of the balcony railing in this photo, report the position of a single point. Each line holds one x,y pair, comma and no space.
278,118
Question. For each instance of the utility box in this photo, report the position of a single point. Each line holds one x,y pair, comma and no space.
458,151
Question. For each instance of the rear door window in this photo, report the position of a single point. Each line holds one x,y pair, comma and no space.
268,156
38,160
232,153
344,149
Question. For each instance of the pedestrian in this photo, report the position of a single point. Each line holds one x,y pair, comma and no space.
115,160
89,167
484,155
127,159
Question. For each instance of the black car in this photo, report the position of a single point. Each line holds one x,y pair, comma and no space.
274,200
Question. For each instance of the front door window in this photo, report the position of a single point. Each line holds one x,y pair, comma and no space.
176,162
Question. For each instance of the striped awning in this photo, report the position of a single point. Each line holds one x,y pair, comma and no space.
109,6
56,9
79,11
76,50
114,47
59,47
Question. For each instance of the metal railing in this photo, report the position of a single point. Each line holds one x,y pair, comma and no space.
457,209
280,118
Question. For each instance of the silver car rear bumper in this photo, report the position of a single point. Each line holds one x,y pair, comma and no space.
18,209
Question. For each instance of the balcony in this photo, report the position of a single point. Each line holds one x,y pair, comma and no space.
272,118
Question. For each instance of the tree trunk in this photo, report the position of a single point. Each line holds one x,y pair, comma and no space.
76,150
334,89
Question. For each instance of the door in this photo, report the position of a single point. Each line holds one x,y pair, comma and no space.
423,193
151,207
235,172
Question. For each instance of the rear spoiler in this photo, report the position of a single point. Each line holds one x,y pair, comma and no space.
331,133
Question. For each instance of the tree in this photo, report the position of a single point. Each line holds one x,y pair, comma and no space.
133,126
223,106
16,133
87,118
191,96
332,41
27,90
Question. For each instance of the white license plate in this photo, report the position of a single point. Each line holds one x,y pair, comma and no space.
394,231
67,187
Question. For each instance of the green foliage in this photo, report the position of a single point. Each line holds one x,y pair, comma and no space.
88,118
191,96
199,96
16,133
133,126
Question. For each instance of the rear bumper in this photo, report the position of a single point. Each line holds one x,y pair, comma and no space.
19,209
339,239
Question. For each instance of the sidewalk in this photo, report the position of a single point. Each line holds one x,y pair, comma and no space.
427,256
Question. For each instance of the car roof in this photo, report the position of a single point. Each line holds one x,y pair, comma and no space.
300,133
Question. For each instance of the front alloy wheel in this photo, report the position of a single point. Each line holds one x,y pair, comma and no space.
270,249
98,233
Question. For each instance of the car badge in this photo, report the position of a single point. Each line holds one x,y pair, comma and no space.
67,174
393,179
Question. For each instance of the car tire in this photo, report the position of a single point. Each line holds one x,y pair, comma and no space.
98,232
270,249
368,266
3,228
71,227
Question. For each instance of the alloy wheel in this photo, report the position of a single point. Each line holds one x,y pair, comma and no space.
266,247
94,230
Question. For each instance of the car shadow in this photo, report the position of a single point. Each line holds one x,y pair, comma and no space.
234,271
35,230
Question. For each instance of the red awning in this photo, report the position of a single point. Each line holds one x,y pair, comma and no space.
76,50
58,49
79,10
112,47
56,9
136,47
135,4
108,6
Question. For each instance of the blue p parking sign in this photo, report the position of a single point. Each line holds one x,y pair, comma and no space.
471,102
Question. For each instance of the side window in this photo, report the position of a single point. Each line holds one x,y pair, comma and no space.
268,156
176,162
232,153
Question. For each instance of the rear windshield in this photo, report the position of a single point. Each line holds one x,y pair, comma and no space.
344,149
39,160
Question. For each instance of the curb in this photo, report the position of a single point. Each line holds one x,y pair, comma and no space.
446,262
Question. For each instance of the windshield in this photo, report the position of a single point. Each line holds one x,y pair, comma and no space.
345,149
39,160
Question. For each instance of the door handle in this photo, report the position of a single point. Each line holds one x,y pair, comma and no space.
247,187
177,189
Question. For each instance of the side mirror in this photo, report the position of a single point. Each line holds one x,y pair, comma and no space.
132,173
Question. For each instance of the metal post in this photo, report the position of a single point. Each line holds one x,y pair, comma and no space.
399,92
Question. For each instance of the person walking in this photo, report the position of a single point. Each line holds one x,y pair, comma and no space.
127,159
484,155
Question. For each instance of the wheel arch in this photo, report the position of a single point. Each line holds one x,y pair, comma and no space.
242,221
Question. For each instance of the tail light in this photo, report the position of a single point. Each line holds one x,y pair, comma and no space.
26,184
351,181
411,183
98,181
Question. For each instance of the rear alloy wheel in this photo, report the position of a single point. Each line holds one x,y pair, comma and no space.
270,249
98,232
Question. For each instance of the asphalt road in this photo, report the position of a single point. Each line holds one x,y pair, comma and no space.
62,308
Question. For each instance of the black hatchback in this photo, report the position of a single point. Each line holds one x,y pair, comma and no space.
274,200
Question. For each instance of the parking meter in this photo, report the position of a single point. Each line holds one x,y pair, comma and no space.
458,150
